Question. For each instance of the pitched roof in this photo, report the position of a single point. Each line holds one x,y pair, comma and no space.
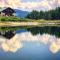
8,10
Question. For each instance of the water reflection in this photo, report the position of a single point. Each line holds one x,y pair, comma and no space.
50,30
34,30
7,34
37,41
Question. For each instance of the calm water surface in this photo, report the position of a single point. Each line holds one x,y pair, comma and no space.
38,43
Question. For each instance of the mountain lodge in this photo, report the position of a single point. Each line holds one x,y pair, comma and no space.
7,12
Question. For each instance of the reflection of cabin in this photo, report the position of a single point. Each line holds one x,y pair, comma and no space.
7,12
7,34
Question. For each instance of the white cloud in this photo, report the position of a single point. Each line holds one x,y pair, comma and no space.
44,4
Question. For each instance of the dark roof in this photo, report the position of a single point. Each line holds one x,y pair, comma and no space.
8,10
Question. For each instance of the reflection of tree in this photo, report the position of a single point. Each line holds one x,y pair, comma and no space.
42,30
9,32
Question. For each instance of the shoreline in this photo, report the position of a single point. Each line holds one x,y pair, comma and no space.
29,24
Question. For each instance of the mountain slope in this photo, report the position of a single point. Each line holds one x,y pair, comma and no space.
21,13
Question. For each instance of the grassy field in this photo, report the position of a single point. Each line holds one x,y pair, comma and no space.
15,21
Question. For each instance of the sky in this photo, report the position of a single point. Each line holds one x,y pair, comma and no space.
30,5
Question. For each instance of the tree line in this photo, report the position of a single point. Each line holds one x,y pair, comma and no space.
53,14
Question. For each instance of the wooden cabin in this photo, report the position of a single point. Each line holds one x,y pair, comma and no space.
7,12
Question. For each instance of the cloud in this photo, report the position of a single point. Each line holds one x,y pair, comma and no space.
16,43
30,5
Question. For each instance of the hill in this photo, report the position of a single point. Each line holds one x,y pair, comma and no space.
21,13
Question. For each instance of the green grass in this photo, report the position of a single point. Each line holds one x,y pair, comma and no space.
6,21
13,18
10,18
16,19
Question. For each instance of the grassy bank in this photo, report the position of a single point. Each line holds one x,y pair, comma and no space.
15,21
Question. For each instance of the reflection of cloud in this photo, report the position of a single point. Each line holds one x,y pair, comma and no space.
14,43
54,47
10,45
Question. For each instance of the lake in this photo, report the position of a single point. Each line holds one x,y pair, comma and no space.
30,43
